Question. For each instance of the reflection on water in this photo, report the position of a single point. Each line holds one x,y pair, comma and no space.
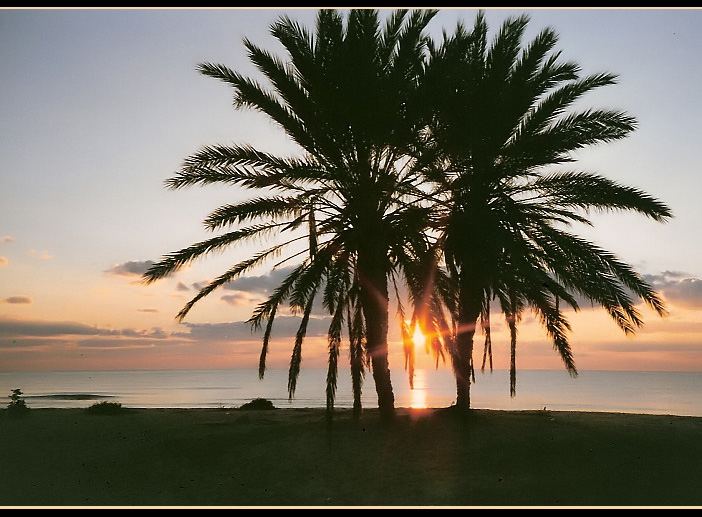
419,393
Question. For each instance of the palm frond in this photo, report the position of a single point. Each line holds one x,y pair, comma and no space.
273,207
587,190
334,347
296,358
267,311
172,262
233,273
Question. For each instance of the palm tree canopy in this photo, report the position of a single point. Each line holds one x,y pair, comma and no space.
349,96
504,131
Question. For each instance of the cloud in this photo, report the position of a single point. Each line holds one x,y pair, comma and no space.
4,261
182,287
680,288
131,268
45,328
147,310
47,345
666,276
18,300
238,299
116,343
200,285
7,238
37,328
18,342
41,255
154,333
98,343
284,327
263,284
158,333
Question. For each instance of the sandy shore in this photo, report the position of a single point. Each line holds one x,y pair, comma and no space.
291,457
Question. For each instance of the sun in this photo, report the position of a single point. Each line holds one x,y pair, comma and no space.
418,338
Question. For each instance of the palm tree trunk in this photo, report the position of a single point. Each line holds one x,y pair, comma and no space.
470,304
356,376
374,302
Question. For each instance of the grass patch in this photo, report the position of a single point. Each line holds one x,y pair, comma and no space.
105,408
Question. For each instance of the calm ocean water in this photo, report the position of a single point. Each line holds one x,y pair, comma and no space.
675,393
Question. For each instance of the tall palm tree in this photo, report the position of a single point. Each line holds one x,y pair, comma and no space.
503,129
349,97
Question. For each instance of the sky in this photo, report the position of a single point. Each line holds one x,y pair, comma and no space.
99,107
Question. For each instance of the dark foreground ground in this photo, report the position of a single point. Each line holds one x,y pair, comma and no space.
289,457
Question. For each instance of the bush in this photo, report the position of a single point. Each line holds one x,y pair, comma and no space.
105,408
17,405
257,404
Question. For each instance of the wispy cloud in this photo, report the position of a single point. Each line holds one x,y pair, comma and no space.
41,255
18,300
284,327
131,268
237,299
7,238
4,261
649,347
182,287
154,333
147,310
116,343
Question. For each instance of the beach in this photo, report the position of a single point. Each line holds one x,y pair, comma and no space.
432,457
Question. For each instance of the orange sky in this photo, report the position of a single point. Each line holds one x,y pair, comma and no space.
110,321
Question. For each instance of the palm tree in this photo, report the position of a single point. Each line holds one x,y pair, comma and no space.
349,97
503,124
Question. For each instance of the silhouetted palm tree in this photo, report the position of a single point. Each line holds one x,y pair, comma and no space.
503,123
349,96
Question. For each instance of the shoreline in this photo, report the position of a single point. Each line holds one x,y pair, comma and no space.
637,392
402,411
283,457
337,410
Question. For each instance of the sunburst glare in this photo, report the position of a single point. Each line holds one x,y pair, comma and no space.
418,337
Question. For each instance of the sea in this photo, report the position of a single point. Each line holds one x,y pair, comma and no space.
670,393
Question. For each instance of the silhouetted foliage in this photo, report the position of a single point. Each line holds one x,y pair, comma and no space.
257,404
17,405
439,166
350,96
503,122
105,408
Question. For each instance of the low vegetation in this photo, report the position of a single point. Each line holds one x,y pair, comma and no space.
257,404
17,405
105,408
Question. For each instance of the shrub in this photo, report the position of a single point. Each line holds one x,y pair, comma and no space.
257,404
105,408
17,404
